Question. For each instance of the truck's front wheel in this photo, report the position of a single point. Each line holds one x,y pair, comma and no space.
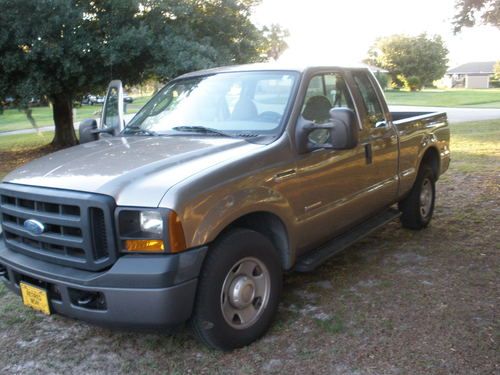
238,291
417,208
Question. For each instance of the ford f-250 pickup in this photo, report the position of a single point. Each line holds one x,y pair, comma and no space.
223,181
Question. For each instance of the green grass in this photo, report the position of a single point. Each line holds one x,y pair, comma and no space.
16,150
475,146
446,98
20,142
13,119
332,325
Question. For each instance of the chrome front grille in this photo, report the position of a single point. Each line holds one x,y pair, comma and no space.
78,227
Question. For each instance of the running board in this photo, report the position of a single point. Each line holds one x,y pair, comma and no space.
314,258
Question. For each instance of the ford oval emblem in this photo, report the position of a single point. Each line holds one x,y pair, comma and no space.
34,226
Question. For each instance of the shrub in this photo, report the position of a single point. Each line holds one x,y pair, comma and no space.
413,83
495,83
383,79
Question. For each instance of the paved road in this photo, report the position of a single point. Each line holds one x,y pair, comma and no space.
454,115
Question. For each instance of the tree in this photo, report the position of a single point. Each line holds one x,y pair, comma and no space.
275,43
418,61
473,12
496,70
63,49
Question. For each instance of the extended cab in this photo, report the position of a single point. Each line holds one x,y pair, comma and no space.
223,181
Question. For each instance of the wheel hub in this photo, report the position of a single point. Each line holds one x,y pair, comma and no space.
245,292
241,292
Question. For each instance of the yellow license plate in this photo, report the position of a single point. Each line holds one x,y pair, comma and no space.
35,297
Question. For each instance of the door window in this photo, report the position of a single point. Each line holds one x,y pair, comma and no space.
325,91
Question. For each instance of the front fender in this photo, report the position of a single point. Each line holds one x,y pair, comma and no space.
220,210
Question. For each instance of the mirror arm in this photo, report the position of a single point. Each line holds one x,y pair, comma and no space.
103,131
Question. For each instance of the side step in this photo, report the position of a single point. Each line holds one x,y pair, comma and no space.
314,258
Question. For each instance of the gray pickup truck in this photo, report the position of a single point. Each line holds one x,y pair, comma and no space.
223,181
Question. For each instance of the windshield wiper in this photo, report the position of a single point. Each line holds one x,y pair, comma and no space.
202,129
136,130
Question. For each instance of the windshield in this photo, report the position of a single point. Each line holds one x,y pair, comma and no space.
239,104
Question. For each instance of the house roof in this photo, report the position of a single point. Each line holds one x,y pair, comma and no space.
474,68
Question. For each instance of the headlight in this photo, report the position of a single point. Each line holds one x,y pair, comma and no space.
150,230
151,222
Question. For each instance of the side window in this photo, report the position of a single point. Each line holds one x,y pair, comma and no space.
370,99
325,91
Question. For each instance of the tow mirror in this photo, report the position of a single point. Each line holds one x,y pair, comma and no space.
112,109
345,132
88,131
340,133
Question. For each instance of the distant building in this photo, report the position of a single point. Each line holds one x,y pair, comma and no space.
473,75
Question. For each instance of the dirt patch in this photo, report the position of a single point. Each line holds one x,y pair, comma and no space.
11,159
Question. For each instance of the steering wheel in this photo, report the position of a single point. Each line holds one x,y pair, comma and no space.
270,116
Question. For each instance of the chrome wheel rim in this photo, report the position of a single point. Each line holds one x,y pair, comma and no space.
245,293
426,194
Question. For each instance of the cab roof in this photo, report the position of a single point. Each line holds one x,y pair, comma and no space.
273,66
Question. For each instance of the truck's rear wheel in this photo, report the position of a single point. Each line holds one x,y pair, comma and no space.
417,208
238,290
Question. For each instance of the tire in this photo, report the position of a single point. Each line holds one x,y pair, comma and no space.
238,291
417,208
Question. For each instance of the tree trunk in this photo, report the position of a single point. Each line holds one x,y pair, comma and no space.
62,107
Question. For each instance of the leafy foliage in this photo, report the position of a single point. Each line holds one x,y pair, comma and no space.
66,48
383,79
496,70
275,43
473,12
419,59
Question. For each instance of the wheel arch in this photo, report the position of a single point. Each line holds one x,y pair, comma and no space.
271,226
430,157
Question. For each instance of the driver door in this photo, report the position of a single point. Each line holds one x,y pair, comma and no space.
112,117
331,179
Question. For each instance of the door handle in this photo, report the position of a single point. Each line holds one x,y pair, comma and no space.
368,153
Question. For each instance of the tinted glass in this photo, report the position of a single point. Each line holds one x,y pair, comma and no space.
325,91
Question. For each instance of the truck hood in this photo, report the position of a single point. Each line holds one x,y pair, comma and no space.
135,171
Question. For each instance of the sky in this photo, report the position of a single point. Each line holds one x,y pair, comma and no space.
340,32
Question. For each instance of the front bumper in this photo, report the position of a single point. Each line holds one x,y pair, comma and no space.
138,291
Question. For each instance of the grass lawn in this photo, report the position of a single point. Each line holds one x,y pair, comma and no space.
13,119
16,150
446,98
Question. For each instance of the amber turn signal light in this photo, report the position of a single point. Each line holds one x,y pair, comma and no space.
176,237
148,246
